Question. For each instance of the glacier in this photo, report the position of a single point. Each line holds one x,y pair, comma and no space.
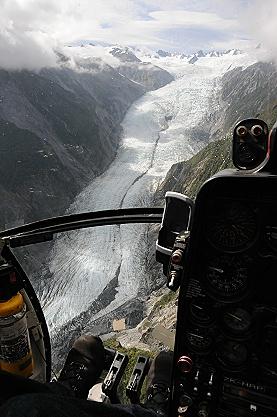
160,129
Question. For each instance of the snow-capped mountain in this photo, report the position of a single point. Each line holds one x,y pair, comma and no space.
124,54
199,54
175,61
115,55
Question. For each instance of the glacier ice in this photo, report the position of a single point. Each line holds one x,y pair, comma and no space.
157,132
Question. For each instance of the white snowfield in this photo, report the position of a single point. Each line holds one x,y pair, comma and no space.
157,132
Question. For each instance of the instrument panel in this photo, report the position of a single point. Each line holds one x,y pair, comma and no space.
231,225
226,335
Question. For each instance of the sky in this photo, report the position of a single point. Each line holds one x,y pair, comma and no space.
30,29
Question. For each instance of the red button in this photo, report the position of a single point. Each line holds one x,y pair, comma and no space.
185,364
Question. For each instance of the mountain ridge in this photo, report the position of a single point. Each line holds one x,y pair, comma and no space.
240,101
60,127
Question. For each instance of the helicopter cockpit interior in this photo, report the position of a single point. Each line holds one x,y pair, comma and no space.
220,252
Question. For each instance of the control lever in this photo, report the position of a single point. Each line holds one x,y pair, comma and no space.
176,263
139,372
113,378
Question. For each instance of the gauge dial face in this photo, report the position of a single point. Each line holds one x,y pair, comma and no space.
198,341
232,354
271,237
237,320
232,227
227,276
200,312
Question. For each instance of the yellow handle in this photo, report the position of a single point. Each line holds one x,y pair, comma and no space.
11,306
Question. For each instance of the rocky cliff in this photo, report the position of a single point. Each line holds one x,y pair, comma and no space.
245,93
145,73
59,128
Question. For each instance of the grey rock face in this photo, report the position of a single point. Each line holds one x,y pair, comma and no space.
163,53
149,76
245,93
248,93
59,128
124,54
200,53
193,59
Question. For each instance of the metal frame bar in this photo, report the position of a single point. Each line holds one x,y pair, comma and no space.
44,230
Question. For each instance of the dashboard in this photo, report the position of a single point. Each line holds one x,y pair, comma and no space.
226,334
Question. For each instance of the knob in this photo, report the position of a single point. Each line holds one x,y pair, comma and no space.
184,403
257,130
177,255
185,364
241,131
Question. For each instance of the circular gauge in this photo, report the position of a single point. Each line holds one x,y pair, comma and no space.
232,227
198,341
237,320
227,276
201,312
232,354
271,237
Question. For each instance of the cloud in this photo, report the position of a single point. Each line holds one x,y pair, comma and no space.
261,24
190,19
81,55
25,50
31,29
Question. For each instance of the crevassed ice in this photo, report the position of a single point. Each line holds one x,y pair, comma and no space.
157,132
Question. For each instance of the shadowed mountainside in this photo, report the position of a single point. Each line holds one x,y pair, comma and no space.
60,128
